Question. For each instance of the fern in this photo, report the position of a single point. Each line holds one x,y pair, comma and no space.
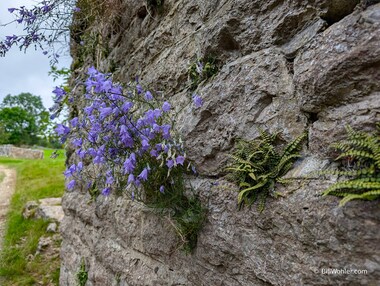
362,182
256,166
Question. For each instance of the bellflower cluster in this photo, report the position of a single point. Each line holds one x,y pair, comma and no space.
126,134
29,16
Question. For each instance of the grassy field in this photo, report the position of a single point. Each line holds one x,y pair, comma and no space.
36,179
2,175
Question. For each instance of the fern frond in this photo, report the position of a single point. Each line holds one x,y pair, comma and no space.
267,138
262,198
356,154
352,134
363,143
342,146
254,154
295,145
244,192
370,195
283,165
377,161
238,169
242,161
369,171
353,184
364,148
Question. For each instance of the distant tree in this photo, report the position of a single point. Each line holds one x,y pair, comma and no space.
32,104
19,126
23,119
4,136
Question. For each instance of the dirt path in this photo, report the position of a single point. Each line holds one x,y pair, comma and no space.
7,187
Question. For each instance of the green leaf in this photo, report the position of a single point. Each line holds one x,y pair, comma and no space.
255,187
252,175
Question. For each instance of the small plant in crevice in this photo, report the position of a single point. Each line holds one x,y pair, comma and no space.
258,165
360,166
190,221
201,70
118,279
128,134
82,274
186,215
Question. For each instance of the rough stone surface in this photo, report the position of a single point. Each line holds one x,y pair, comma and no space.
299,234
52,227
237,109
286,66
49,208
24,153
307,167
43,244
340,65
330,126
29,209
291,48
48,246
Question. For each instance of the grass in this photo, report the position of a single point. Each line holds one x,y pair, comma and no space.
36,179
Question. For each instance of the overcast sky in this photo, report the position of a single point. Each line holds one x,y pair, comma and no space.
24,72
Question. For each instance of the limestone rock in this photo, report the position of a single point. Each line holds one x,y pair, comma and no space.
337,78
286,66
48,246
161,48
43,243
340,65
235,247
24,153
50,201
250,93
49,208
52,227
291,48
337,9
29,210
307,167
330,126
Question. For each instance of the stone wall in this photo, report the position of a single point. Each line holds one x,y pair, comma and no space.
22,153
286,66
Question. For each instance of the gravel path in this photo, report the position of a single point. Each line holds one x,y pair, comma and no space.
7,187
